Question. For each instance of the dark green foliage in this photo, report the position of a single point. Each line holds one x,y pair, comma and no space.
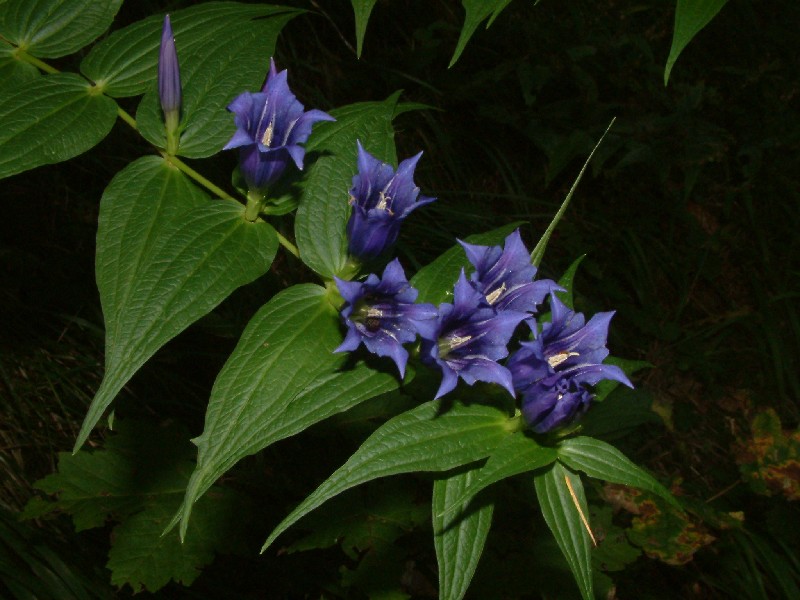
33,567
137,480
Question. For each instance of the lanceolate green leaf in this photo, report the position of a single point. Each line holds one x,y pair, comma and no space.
361,9
53,28
516,454
603,461
435,281
50,119
166,257
458,538
431,437
567,282
324,209
234,60
125,64
690,17
564,519
282,377
541,246
477,11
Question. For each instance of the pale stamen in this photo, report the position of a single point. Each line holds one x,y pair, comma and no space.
559,358
456,341
495,295
266,139
383,202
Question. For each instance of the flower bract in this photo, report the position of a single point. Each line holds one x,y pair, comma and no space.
381,314
554,370
469,339
270,126
381,199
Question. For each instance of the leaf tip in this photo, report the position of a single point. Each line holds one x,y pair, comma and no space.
667,71
171,525
81,439
266,545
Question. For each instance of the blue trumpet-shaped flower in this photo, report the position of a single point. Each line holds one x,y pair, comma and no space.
505,275
169,84
270,126
381,199
554,370
469,339
381,314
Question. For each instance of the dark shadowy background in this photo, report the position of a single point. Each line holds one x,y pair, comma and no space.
688,218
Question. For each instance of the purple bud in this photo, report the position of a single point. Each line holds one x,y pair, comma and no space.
169,74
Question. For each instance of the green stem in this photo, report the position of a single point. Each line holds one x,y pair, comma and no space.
179,164
255,203
25,57
40,64
210,186
288,245
516,423
336,300
122,114
173,136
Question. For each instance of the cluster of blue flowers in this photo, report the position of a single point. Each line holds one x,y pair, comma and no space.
466,339
469,337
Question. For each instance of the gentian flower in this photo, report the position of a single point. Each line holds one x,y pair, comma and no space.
169,85
505,275
554,370
381,313
469,339
381,199
270,126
